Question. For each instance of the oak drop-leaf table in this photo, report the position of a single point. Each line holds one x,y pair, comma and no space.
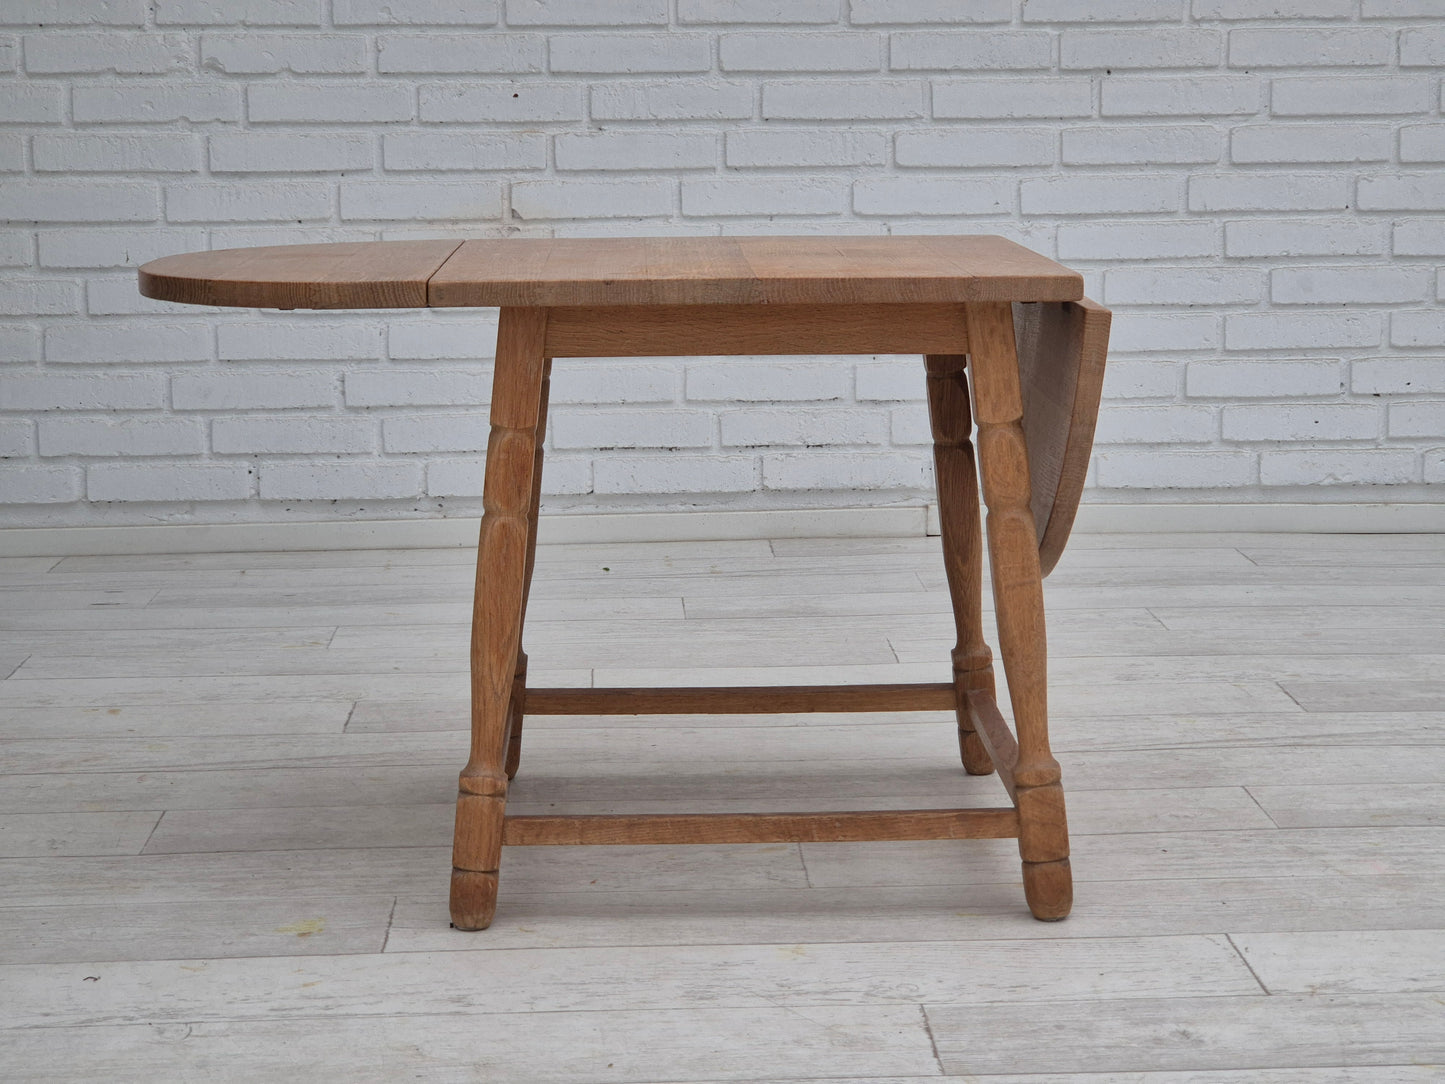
1009,343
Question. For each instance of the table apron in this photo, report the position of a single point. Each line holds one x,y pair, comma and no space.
702,330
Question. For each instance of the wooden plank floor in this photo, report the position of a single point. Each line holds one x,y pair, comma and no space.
226,801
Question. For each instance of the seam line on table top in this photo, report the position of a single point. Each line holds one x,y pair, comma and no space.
426,286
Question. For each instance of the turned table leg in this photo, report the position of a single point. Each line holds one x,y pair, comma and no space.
517,708
502,565
957,484
1019,603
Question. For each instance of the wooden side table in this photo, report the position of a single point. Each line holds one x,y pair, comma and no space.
982,305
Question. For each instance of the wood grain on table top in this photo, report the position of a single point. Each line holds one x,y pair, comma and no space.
614,271
352,275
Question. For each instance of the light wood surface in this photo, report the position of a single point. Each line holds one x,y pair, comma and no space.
749,271
740,700
517,705
1061,350
294,871
998,741
671,330
356,275
614,271
844,827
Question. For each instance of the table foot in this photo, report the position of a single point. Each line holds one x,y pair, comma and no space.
972,673
1049,889
473,899
477,850
972,753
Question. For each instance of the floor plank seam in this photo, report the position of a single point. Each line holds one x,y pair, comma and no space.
1163,626
390,919
932,1039
1284,689
151,834
1255,799
1245,960
803,862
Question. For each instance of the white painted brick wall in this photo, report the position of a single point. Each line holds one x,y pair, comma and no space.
1417,329
464,431
413,13
153,102
776,427
166,483
27,485
355,481
299,435
658,428
1314,421
1374,466
1254,188
17,438
624,475
1264,379
309,152
867,470
120,436
1173,424
254,389
493,54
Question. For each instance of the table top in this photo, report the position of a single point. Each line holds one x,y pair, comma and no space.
613,271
